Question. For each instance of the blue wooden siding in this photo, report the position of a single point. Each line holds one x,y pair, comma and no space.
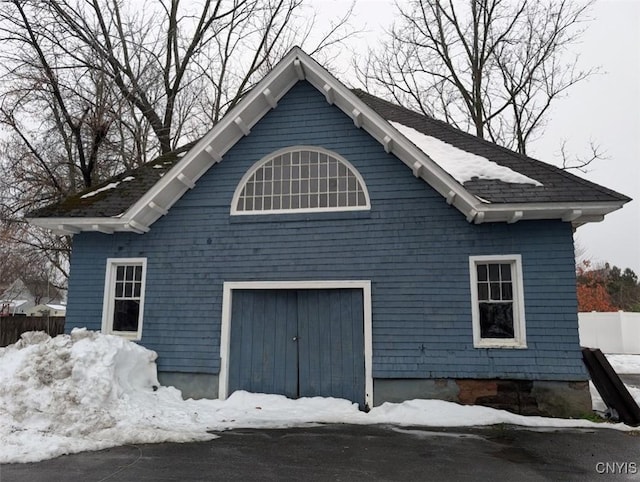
411,245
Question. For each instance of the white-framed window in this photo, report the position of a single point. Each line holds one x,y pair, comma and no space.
124,290
300,179
497,301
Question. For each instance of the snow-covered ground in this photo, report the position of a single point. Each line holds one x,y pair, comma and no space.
88,391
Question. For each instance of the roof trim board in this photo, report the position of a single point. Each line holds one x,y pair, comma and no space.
296,66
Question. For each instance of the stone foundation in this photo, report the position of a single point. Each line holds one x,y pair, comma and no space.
192,385
525,397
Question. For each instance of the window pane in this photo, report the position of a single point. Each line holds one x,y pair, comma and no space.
125,316
482,272
496,320
324,201
138,273
495,291
136,290
324,169
494,272
119,289
333,168
483,291
120,273
505,271
507,291
352,198
128,290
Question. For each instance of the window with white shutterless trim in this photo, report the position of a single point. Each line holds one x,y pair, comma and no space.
300,179
497,301
123,306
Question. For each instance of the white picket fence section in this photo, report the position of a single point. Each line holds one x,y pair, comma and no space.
616,333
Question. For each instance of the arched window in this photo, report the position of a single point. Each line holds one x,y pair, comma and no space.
300,179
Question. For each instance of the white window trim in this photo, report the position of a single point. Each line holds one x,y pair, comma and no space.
109,296
269,157
225,334
519,325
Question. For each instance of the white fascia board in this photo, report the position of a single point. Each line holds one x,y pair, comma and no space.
224,135
577,213
70,226
389,137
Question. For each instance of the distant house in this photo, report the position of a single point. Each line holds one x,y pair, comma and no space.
48,309
322,241
24,294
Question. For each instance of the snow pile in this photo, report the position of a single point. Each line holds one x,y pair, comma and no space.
625,363
83,391
88,391
461,165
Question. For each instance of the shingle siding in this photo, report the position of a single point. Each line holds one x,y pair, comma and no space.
412,246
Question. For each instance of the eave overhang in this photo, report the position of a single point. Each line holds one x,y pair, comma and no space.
294,67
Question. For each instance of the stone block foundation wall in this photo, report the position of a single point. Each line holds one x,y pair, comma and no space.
526,397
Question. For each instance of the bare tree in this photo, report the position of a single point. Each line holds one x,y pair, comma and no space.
89,88
491,67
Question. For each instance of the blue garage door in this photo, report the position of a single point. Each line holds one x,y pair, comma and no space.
298,343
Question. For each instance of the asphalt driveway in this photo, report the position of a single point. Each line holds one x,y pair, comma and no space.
352,453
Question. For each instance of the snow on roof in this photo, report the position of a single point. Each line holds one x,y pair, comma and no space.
111,185
89,391
461,165
13,303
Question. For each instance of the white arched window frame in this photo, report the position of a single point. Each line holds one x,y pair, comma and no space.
300,179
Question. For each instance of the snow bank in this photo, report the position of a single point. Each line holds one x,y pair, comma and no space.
88,391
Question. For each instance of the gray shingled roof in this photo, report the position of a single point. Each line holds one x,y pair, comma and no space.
557,185
114,201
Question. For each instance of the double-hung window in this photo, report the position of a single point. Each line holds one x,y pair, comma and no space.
123,307
497,301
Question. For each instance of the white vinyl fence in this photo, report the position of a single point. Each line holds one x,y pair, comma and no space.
617,333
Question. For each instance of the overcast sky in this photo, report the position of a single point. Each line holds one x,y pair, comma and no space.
605,109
